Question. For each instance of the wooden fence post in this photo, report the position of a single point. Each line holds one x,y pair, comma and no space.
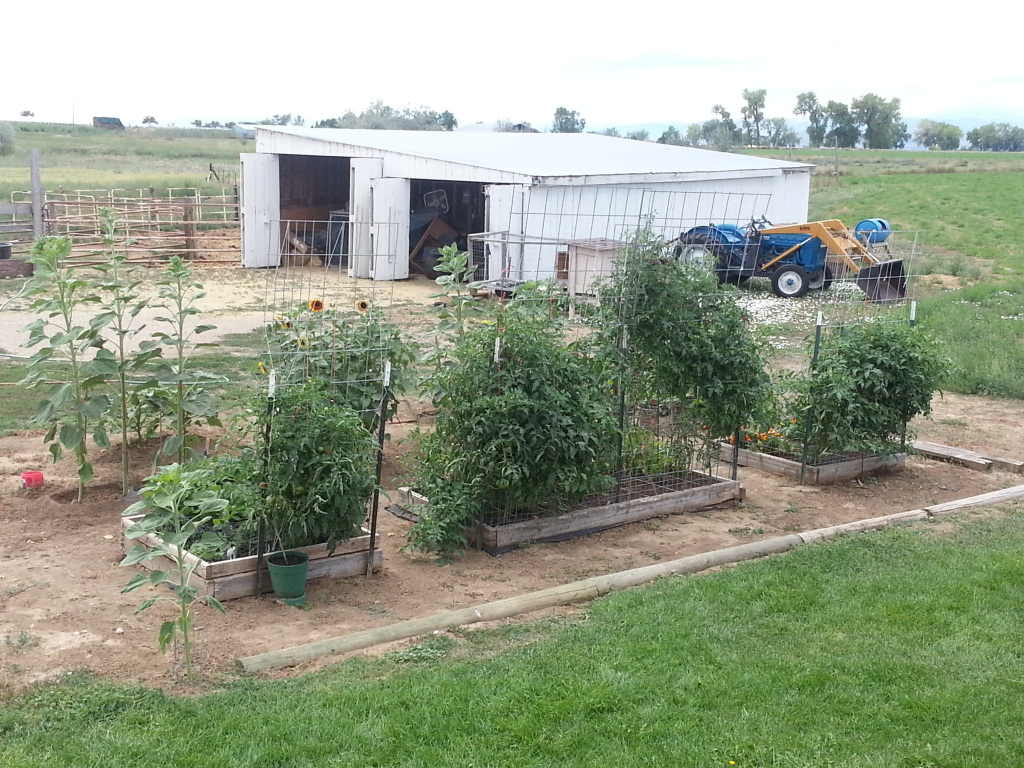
37,195
188,220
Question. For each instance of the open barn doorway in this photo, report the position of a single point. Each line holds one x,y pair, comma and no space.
442,213
315,205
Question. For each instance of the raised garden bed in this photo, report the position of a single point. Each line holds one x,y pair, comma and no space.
824,471
230,579
707,491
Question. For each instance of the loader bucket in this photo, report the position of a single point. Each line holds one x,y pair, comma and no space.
883,282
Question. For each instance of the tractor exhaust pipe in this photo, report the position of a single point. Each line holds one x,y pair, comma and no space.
885,281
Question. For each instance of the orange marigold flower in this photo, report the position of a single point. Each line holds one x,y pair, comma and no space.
316,305
362,305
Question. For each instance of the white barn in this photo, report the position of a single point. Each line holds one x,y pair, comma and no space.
374,196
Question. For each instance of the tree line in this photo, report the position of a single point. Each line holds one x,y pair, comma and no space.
869,121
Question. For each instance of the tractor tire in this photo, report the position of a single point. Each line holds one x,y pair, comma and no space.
789,281
705,252
820,280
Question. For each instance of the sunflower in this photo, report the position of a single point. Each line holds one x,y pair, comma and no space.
316,305
262,367
303,342
362,305
283,322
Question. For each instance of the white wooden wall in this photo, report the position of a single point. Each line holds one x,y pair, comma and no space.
541,217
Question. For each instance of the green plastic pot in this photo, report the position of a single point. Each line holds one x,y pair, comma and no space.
288,571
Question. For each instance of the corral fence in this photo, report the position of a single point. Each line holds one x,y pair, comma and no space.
152,223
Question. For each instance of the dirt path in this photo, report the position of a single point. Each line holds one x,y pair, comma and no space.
241,300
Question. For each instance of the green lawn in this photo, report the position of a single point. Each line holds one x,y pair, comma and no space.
898,648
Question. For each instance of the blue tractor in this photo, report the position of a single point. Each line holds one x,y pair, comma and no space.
798,258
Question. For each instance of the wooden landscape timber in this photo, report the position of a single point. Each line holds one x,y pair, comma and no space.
231,579
967,458
822,474
589,589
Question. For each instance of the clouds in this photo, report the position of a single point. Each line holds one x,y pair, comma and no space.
615,64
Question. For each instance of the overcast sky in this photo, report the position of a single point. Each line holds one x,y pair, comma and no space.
617,64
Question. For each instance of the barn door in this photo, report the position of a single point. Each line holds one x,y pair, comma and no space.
261,209
503,253
363,170
389,230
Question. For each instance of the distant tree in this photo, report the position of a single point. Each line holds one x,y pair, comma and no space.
212,124
880,119
609,132
753,114
997,137
843,130
379,116
6,139
727,132
721,134
230,125
671,135
28,113
640,135
807,104
937,135
287,119
567,121
149,120
448,121
779,134
197,123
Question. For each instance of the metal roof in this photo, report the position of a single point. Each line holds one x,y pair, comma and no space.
542,154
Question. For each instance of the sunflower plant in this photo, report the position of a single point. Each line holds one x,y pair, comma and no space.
345,347
190,401
77,405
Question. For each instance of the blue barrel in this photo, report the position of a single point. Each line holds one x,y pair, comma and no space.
872,231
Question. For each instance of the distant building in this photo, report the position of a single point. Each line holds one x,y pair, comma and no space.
110,123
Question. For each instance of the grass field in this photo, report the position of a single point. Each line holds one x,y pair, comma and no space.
871,162
80,157
900,648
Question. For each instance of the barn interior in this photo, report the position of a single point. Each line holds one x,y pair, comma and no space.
316,194
442,213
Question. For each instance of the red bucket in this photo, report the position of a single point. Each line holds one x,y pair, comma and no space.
32,479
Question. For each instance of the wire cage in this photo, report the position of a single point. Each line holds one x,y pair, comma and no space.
559,262
328,349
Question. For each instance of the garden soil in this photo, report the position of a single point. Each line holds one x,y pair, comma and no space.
61,607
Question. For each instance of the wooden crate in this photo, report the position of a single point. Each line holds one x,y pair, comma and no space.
822,474
230,579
